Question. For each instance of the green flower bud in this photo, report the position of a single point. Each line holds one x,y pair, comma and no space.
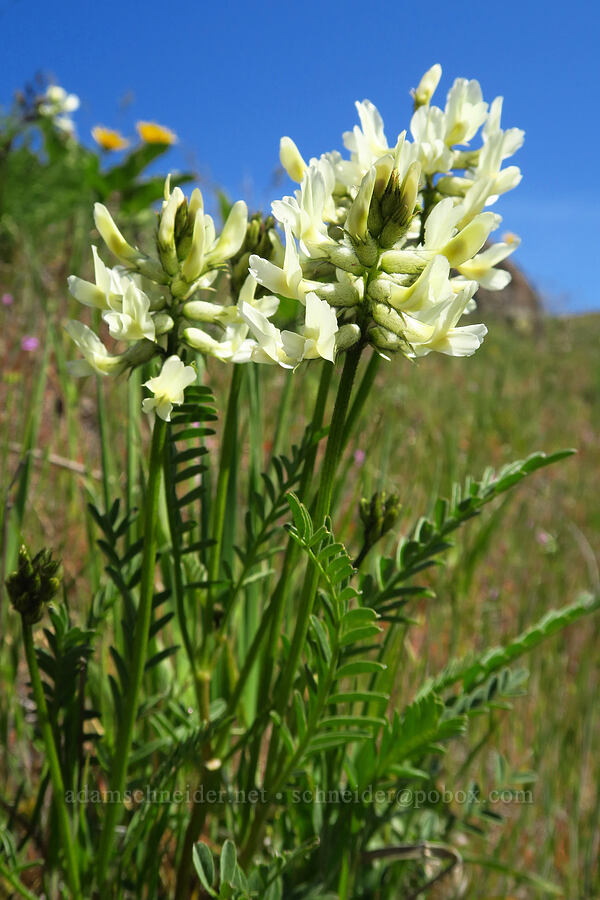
398,204
382,339
405,262
34,584
338,293
378,515
347,336
388,318
367,251
165,243
344,257
358,214
140,352
258,241
163,323
130,256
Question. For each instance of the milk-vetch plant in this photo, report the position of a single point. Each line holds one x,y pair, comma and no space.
252,654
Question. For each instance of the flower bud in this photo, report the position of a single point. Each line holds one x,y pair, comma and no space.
291,159
384,290
346,336
34,584
358,215
427,85
163,323
193,263
344,258
405,262
166,232
116,243
111,235
383,172
203,311
378,515
337,293
388,318
195,211
382,339
398,204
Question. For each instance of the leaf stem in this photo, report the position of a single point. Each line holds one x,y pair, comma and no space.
58,787
330,464
333,453
139,653
228,449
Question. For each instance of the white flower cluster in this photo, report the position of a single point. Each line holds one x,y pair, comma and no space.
57,105
384,247
144,298
390,238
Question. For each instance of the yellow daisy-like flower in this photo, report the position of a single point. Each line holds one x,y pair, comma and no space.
153,133
109,139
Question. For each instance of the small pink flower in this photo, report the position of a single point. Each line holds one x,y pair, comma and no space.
7,299
359,457
29,344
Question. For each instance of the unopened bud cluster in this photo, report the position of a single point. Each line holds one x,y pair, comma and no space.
378,516
34,584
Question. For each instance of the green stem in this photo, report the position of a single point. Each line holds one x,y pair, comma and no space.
270,625
228,448
133,436
292,550
317,423
58,787
311,579
362,392
285,403
140,648
192,834
104,443
226,467
330,464
174,521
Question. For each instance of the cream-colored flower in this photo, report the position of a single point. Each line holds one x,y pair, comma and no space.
318,333
168,387
106,293
97,358
133,322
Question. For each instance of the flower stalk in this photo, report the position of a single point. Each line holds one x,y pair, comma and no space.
122,750
58,785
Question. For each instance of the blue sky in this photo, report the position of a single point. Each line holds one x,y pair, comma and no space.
231,78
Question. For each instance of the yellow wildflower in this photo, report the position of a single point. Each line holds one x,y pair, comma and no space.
109,139
152,133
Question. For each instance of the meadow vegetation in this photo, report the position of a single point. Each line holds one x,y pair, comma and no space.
69,449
